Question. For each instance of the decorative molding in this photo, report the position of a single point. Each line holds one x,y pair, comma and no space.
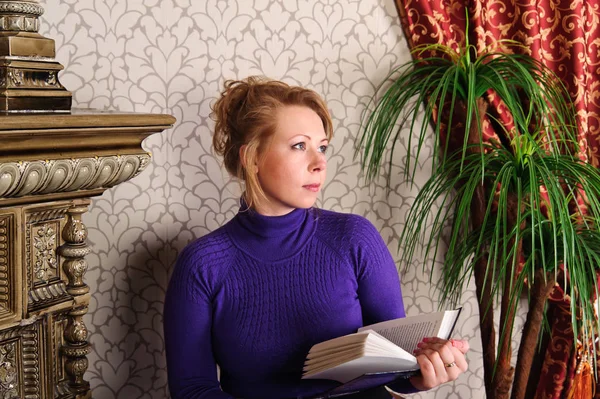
30,85
47,215
47,294
28,267
50,176
6,235
81,351
41,253
17,7
75,349
22,23
42,240
31,362
9,262
75,346
59,323
44,246
74,251
30,79
15,78
9,377
26,340
62,391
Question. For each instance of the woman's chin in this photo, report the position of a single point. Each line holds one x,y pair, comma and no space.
305,203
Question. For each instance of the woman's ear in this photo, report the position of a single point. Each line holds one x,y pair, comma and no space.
252,168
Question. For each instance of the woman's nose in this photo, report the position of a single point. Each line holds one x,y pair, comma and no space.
318,163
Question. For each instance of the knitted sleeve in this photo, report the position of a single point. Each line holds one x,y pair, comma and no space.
379,289
191,365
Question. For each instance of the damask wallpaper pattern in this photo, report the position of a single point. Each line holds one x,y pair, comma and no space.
172,56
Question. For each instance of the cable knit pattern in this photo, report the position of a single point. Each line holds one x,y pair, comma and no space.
200,266
256,294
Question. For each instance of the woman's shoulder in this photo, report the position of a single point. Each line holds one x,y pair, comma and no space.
214,242
210,248
201,264
348,227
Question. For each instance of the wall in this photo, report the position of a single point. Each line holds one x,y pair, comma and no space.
171,56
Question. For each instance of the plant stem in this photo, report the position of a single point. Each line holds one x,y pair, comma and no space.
483,285
503,377
483,288
504,371
540,291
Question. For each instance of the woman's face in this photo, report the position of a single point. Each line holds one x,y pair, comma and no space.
291,171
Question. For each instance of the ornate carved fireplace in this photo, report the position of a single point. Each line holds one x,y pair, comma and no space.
52,160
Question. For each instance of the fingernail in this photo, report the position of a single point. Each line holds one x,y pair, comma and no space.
420,345
426,339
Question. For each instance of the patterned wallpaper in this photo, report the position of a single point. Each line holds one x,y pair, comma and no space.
172,56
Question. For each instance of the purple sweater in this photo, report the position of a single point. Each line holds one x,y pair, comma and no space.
257,293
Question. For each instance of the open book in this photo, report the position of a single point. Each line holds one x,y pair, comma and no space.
377,348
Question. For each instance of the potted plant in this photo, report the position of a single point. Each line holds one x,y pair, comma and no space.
522,206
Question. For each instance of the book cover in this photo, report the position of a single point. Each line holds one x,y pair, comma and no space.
365,382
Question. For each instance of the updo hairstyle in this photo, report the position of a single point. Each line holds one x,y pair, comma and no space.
246,113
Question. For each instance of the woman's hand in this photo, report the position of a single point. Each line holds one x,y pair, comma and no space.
440,361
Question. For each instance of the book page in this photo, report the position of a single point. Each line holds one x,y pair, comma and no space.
369,364
409,331
408,338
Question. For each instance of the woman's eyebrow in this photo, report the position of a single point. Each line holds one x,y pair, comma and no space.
308,137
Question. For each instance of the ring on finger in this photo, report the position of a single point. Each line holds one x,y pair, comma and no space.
451,364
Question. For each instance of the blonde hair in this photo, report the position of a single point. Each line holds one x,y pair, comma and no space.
246,114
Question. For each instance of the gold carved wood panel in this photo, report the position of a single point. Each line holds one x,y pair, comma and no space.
52,159
45,277
11,306
60,382
49,167
43,340
22,362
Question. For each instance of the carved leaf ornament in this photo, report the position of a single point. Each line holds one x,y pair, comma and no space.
40,177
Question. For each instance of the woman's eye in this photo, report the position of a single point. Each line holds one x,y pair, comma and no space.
323,149
299,146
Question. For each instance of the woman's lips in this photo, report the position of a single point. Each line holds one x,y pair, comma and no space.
312,187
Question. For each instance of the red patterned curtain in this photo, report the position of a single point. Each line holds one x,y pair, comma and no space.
565,36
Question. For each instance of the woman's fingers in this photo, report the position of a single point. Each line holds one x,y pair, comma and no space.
461,360
440,361
433,371
458,348
448,352
437,364
460,344
428,378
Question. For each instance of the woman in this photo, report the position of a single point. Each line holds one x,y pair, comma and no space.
257,293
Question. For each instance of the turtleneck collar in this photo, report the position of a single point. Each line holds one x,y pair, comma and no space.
271,226
272,238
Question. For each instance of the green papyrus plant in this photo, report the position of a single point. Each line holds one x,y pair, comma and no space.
517,226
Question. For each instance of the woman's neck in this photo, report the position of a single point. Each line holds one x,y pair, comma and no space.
271,238
268,207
